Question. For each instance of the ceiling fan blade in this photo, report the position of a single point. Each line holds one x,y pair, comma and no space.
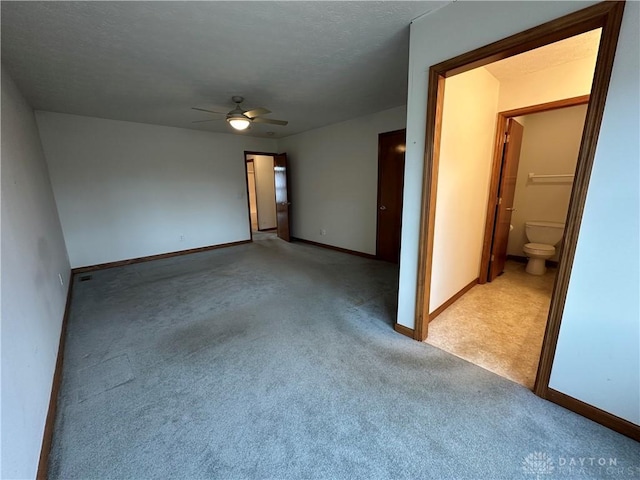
208,111
270,120
256,112
202,121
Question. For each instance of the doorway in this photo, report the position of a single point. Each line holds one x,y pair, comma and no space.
552,146
391,148
262,197
500,326
606,16
484,305
500,323
268,201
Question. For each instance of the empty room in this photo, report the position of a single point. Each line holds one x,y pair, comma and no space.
217,241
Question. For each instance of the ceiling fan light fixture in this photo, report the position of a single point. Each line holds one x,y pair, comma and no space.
241,119
238,121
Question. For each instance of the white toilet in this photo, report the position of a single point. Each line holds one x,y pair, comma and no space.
544,236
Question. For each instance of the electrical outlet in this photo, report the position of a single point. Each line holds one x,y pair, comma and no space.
323,231
182,238
60,278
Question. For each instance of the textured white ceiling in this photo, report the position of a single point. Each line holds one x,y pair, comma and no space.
554,54
312,63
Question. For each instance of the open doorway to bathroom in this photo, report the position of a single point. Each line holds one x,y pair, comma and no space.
500,323
501,193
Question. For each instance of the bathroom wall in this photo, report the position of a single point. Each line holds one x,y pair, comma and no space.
466,155
550,146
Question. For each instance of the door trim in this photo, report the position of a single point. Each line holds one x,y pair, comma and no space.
605,15
501,129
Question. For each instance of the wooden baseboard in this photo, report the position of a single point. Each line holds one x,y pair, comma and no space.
406,331
449,302
618,424
337,249
47,436
149,258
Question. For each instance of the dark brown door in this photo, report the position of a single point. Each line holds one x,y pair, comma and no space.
391,148
506,193
281,177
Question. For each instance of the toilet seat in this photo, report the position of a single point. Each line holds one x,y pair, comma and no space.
539,249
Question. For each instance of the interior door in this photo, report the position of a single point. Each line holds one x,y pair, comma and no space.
281,178
391,148
506,193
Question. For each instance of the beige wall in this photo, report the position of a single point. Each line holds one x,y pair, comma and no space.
334,180
265,191
127,190
466,154
550,146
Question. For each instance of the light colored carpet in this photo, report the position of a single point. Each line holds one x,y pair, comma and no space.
499,325
272,361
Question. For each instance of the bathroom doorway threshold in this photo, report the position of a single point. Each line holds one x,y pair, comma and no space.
490,325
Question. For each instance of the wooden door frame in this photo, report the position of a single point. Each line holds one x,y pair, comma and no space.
246,174
605,15
501,130
246,180
384,134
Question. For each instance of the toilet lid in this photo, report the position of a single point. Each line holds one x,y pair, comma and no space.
542,247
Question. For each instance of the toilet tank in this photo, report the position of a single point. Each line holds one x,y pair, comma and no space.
549,233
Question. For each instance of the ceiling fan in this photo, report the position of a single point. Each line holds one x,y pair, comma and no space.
239,118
